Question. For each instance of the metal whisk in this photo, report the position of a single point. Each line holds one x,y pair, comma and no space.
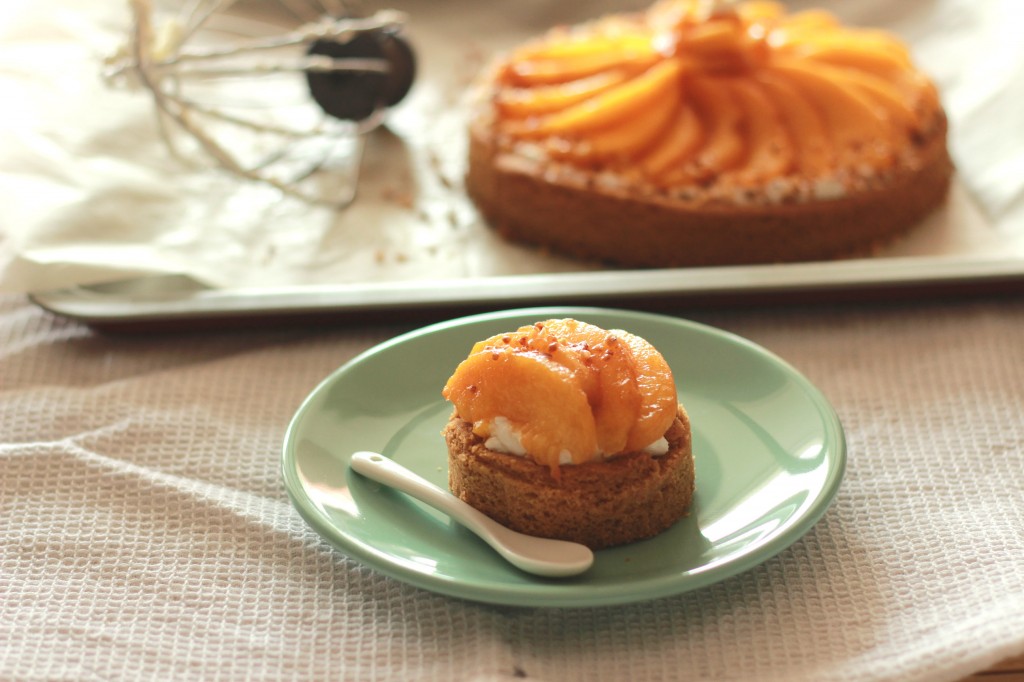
210,71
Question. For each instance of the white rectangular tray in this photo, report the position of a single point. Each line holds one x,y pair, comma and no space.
178,302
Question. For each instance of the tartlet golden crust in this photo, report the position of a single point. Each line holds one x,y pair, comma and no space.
600,504
567,211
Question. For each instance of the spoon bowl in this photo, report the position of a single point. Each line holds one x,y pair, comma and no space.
539,556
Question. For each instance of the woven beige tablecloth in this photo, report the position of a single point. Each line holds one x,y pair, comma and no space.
145,532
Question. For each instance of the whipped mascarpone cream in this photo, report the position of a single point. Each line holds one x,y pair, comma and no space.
506,438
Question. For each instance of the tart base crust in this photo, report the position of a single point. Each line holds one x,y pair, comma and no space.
599,504
529,201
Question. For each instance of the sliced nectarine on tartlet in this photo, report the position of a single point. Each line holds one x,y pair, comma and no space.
573,391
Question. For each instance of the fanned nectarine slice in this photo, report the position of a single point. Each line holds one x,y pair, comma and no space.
579,60
879,90
881,63
807,129
573,356
536,394
680,141
635,43
771,148
856,122
615,105
866,48
616,402
540,100
633,136
658,401
716,106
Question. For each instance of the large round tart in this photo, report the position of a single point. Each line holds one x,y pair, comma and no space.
702,134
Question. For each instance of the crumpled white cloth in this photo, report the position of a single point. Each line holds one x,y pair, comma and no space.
145,532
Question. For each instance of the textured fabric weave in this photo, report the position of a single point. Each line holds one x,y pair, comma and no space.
145,532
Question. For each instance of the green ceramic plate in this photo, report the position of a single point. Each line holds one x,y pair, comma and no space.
769,451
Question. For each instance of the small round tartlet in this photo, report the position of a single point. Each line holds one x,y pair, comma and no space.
707,133
565,430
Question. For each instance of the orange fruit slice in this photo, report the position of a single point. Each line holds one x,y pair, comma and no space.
680,141
571,61
569,388
616,401
540,100
612,106
720,115
658,403
538,396
806,127
771,148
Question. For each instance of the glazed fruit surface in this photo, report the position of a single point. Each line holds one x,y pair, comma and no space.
569,389
681,95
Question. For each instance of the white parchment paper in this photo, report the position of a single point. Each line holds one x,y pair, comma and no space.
89,191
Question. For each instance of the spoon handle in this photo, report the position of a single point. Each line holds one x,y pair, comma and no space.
541,556
385,470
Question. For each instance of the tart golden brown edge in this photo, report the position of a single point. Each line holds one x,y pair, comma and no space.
528,201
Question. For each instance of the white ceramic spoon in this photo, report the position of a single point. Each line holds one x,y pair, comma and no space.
540,556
